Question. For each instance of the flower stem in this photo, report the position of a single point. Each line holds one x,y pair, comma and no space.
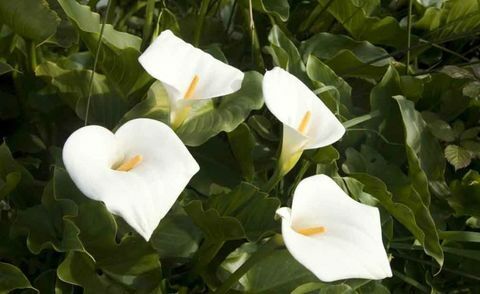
32,51
202,15
264,251
147,27
409,37
95,61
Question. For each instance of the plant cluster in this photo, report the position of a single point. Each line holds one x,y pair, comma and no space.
402,78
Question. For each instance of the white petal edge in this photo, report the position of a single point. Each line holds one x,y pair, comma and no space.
175,63
289,99
143,195
352,245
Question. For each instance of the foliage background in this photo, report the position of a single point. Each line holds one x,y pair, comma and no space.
402,75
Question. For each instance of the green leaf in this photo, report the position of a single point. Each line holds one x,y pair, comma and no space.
242,143
106,105
215,227
424,153
346,56
208,120
155,106
454,18
284,53
176,236
11,181
32,19
458,156
98,267
396,193
21,193
218,169
252,208
333,90
279,8
12,278
465,197
276,273
47,224
443,94
355,18
118,56
439,128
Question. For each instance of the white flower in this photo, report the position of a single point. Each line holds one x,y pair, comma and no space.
138,172
307,121
332,235
188,73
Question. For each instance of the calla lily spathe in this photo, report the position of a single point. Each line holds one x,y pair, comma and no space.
332,235
138,172
188,73
307,121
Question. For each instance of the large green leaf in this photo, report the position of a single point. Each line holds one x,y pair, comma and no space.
396,193
355,17
424,154
276,273
279,8
208,120
155,106
347,57
106,105
32,19
284,53
455,17
242,143
215,227
333,90
12,278
48,225
176,236
16,181
254,209
465,197
119,51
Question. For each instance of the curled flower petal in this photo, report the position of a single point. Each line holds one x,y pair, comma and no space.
341,239
143,194
296,106
188,72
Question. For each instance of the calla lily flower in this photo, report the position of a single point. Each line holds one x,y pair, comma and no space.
188,73
138,172
307,121
332,235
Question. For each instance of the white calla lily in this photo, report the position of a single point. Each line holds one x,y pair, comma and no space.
138,172
188,73
332,235
307,121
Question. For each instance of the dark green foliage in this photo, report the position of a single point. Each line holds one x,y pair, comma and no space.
412,145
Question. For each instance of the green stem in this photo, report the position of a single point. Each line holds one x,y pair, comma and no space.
303,169
361,119
263,252
32,52
131,11
205,254
147,26
409,36
202,15
273,181
97,53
